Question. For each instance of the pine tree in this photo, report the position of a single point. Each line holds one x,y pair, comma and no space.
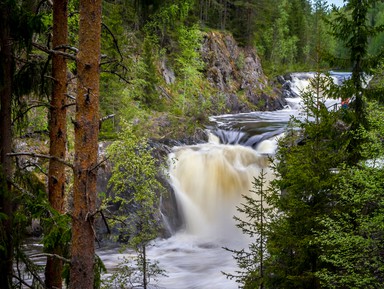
255,214
353,28
305,161
58,134
86,146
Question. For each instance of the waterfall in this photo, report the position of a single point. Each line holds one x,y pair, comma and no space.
209,181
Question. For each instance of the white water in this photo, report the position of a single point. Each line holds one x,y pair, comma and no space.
209,181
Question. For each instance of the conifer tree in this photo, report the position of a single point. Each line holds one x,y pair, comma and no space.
353,28
305,161
58,134
255,214
86,146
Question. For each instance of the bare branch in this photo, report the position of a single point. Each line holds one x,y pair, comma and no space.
69,104
114,40
22,281
74,49
51,255
118,75
99,164
34,155
23,191
107,117
70,96
52,51
105,221
28,109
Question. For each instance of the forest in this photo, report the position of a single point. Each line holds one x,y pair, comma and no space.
78,73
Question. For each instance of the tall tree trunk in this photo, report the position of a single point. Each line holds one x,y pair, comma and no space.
86,146
6,206
57,134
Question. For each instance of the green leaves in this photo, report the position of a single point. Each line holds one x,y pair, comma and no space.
136,192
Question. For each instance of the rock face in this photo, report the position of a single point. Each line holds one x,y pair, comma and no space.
237,73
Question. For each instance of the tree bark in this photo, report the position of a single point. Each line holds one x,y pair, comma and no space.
86,146
57,134
6,205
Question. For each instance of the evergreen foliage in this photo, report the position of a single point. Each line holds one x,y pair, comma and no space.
255,214
351,240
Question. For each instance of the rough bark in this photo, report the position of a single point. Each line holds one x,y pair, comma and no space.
6,206
57,134
86,146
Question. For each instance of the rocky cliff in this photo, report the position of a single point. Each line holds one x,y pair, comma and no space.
237,73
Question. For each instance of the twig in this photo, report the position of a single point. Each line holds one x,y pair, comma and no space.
74,49
69,104
114,40
23,191
107,117
52,51
118,75
22,281
70,96
28,109
51,255
105,221
42,156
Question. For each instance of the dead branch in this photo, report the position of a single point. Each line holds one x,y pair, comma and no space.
95,167
52,51
118,75
70,96
51,255
114,40
34,155
105,221
28,109
107,117
74,49
22,281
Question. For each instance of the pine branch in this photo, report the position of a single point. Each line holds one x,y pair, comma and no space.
28,109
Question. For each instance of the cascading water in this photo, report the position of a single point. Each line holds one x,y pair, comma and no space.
208,181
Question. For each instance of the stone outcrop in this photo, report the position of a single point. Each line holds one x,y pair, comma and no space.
237,73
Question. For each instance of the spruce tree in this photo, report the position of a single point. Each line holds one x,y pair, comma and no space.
305,161
255,214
